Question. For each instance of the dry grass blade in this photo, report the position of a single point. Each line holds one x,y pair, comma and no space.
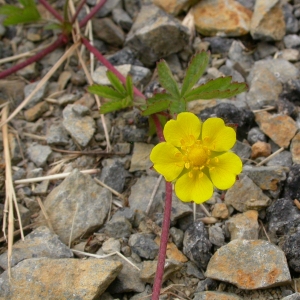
110,189
43,209
104,256
41,83
53,177
10,199
270,157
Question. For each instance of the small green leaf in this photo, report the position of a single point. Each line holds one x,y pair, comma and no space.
129,86
159,97
116,83
115,105
16,15
53,26
220,83
105,92
166,79
156,107
233,90
177,107
195,70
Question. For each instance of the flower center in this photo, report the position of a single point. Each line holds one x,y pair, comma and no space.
197,157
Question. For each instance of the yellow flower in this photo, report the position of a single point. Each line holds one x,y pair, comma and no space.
197,156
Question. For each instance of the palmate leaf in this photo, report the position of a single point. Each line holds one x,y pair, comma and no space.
105,92
195,70
115,105
157,103
115,82
16,15
166,79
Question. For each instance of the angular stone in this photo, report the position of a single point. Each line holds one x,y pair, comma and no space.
106,30
121,18
260,149
143,245
57,135
209,295
243,193
38,96
45,278
291,248
216,235
39,154
249,265
267,178
140,158
80,126
174,7
36,111
214,17
295,148
220,210
244,226
280,128
292,187
151,25
39,243
77,207
267,22
118,227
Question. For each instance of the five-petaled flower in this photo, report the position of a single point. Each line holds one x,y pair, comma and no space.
197,156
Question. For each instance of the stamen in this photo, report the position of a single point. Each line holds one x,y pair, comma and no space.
187,165
216,160
211,168
190,174
200,175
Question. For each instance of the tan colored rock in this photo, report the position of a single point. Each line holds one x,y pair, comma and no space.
295,148
280,128
44,278
249,265
267,22
259,149
220,211
223,18
174,7
36,111
209,295
140,157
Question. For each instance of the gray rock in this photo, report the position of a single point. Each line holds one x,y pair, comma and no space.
67,99
153,24
125,56
249,265
292,188
206,285
255,135
177,236
291,249
295,296
207,295
38,96
114,174
15,148
245,192
78,206
133,134
193,270
126,212
121,18
25,215
291,21
267,178
45,278
107,8
140,157
39,154
39,243
196,245
264,50
236,76
118,227
291,41
141,192
2,30
57,135
243,150
143,245
244,226
216,235
284,158
106,30
111,245
80,126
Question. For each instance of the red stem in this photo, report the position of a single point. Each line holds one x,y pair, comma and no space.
163,243
108,65
52,10
78,9
61,40
83,22
159,129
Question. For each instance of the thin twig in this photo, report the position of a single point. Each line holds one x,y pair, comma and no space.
264,109
78,9
263,227
107,255
34,136
41,83
53,177
44,212
270,157
205,210
92,13
153,193
110,189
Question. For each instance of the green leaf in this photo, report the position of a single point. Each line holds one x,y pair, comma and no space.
195,70
220,83
159,97
167,80
16,15
156,107
129,86
105,92
115,105
116,83
233,90
53,26
177,107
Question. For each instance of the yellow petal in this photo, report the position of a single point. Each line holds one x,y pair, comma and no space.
197,189
224,172
167,160
216,136
186,127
